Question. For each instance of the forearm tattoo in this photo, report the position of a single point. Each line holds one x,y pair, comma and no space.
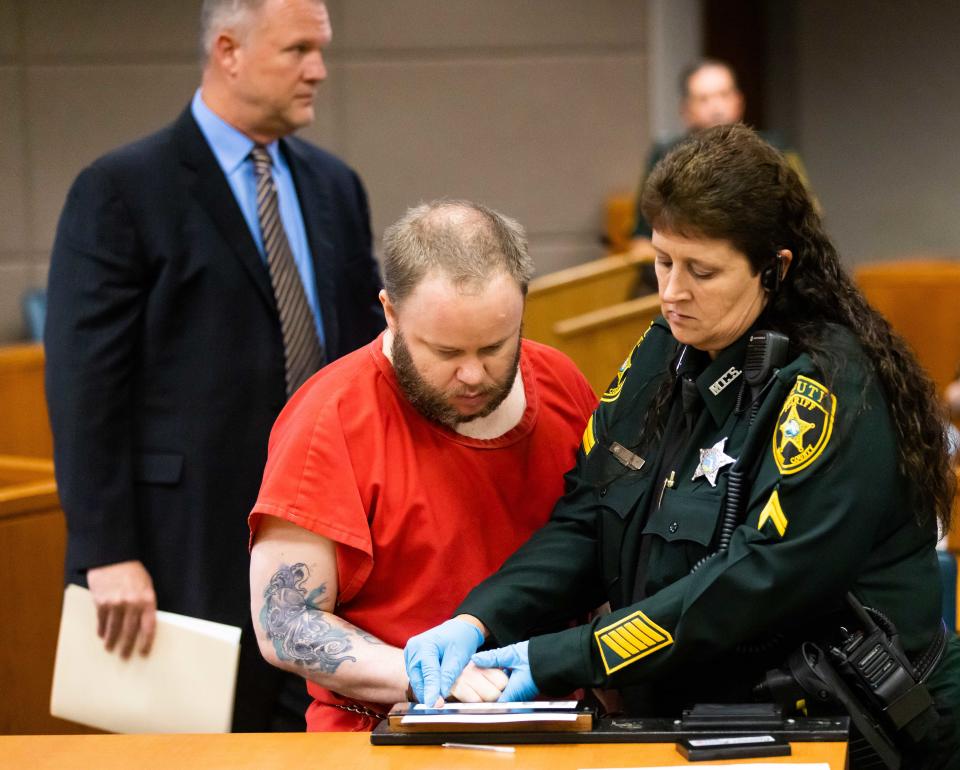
297,627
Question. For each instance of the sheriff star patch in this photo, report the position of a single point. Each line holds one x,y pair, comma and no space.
630,639
804,425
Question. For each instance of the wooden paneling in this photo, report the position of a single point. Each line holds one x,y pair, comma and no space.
578,290
599,341
24,426
32,546
921,299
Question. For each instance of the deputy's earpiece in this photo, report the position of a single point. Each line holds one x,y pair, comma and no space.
772,275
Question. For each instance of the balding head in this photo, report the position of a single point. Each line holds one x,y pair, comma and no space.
466,243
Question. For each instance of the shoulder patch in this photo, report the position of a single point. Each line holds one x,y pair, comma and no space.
613,392
630,639
804,426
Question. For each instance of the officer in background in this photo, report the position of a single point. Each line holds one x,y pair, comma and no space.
709,96
725,508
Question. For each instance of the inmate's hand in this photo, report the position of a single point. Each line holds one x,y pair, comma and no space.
478,685
515,659
436,657
126,606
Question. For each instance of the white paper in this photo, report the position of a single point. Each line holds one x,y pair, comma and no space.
485,719
761,766
735,740
520,704
186,683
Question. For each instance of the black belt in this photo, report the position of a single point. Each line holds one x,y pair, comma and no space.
931,657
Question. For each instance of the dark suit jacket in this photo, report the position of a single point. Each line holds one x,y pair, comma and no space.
165,364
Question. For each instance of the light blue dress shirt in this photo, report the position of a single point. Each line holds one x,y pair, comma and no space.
232,151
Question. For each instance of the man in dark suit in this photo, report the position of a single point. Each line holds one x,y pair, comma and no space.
198,277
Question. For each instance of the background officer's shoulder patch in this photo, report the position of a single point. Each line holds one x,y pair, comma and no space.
613,392
804,426
630,639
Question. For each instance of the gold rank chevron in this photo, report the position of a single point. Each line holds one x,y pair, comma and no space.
630,639
588,438
773,512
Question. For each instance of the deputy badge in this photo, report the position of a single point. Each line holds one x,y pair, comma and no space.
711,461
804,425
630,639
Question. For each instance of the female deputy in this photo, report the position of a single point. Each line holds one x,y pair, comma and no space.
725,521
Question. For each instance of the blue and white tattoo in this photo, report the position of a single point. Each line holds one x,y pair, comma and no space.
297,627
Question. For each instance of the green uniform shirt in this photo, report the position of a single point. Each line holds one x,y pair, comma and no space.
825,511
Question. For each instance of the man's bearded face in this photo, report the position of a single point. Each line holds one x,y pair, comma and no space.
456,402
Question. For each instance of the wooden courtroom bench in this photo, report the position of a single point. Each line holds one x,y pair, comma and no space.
580,289
24,425
599,341
32,545
921,300
619,213
920,297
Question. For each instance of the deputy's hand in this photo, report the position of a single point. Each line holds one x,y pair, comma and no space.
515,659
126,606
479,685
436,657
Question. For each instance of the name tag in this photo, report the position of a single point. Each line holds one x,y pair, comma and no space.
725,379
626,457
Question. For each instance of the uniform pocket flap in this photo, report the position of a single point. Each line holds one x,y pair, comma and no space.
623,495
158,467
683,517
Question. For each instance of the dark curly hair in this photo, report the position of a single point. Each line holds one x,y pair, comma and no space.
726,183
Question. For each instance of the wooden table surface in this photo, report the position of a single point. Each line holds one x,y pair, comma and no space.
340,751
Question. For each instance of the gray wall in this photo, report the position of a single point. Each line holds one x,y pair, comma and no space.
536,107
674,39
877,122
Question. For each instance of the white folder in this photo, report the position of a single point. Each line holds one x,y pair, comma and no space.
186,684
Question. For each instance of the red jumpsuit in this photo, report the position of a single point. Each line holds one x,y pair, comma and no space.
419,513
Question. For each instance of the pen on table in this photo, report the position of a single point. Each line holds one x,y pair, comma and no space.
479,747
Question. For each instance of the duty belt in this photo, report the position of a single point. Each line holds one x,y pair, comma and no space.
931,657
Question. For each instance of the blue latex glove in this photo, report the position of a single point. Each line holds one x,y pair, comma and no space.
516,660
436,657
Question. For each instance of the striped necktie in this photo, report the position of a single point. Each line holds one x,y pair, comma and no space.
302,350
